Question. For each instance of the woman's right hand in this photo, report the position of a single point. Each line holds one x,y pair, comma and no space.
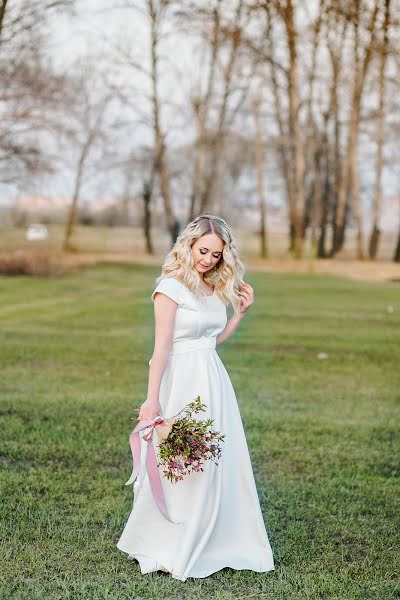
149,410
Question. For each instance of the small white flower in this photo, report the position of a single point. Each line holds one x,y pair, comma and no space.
322,355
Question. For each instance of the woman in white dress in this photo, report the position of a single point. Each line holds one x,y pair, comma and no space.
216,519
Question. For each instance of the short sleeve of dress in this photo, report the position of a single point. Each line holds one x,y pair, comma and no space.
171,288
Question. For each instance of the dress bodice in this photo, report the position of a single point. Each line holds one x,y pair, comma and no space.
195,318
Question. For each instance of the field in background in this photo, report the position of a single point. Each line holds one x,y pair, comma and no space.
129,240
117,244
322,434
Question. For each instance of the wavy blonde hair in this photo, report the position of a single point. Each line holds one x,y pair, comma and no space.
226,276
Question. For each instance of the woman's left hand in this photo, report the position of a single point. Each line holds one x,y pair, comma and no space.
247,297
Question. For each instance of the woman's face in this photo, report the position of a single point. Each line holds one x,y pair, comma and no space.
207,251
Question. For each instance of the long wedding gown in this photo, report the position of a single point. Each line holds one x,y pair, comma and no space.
218,515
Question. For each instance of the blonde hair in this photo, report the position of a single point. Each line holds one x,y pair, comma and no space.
226,276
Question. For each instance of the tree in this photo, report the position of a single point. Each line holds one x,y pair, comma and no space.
384,49
260,179
154,16
89,129
156,12
349,181
31,93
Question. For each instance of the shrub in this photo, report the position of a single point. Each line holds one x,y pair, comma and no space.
36,263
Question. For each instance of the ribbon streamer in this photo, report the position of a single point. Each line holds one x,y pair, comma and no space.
151,461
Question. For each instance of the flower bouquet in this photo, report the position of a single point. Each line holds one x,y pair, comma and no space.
184,443
188,443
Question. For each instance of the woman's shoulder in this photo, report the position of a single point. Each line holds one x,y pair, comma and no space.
170,285
174,279
173,276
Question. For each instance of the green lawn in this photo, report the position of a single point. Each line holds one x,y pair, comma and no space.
322,433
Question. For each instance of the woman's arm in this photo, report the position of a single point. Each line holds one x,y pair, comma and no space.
247,298
229,328
164,313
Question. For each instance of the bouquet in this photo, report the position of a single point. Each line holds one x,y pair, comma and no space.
184,443
188,443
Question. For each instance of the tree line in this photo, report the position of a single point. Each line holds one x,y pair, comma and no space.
285,95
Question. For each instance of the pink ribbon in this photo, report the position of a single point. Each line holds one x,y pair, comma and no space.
151,461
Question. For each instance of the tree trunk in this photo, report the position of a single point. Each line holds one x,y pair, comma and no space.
396,257
260,181
321,247
347,177
172,222
217,139
201,111
283,144
3,7
147,194
335,53
199,161
375,233
352,170
325,203
148,187
159,137
357,211
294,130
71,219
315,209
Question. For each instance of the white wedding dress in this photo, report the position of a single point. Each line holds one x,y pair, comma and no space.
220,523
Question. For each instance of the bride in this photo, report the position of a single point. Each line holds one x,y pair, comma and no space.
218,517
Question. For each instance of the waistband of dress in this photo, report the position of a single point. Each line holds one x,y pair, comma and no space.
189,345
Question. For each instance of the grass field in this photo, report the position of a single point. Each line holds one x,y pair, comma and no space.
322,434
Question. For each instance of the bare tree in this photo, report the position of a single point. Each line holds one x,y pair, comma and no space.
376,232
31,93
155,17
316,61
216,140
282,143
349,172
286,12
312,145
88,127
156,11
3,7
396,256
331,155
221,90
260,179
201,106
